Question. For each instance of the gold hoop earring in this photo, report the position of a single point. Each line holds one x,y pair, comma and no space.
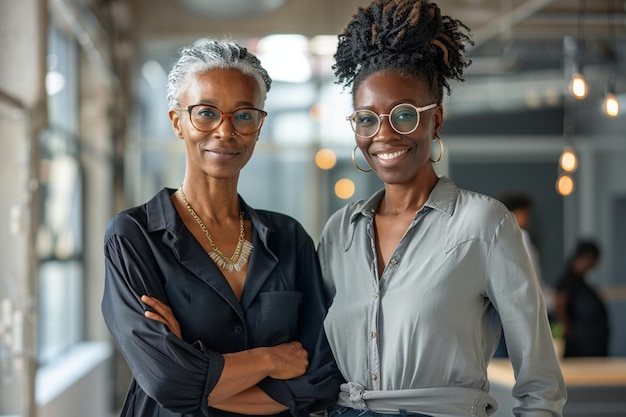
441,149
354,161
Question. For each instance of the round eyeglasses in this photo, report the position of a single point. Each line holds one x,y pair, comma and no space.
404,119
207,118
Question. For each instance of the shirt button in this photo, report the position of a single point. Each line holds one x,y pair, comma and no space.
393,261
376,296
373,335
238,329
374,377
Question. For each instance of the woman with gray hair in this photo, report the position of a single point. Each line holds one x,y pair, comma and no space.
217,307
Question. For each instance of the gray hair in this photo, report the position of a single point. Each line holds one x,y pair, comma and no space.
207,54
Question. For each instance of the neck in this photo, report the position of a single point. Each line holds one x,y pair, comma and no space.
212,200
400,198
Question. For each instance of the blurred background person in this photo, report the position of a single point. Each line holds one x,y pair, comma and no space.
579,307
521,205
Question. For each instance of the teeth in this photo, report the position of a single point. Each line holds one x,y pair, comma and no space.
388,156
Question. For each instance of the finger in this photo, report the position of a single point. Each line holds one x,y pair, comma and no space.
151,301
154,316
156,304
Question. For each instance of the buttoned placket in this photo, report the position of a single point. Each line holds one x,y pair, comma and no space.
378,289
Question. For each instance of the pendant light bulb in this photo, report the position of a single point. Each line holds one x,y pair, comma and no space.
611,105
565,185
578,86
568,161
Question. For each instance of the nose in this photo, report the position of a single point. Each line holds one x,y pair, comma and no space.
385,130
225,128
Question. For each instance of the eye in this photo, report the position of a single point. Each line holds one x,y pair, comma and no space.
365,118
244,115
207,112
404,115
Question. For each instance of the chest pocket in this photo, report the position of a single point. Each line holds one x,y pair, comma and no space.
277,318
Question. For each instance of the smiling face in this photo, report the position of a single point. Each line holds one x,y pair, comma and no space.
398,158
221,153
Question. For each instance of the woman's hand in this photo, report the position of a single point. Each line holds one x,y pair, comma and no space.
290,360
163,313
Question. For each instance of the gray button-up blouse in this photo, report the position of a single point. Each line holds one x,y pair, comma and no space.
420,337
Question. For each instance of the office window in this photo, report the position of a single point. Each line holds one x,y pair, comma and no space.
60,233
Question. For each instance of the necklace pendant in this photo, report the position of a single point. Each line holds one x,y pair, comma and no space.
242,253
231,264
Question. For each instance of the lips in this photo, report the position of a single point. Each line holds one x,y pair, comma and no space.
222,154
386,156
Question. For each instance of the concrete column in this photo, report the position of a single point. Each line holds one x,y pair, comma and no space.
23,28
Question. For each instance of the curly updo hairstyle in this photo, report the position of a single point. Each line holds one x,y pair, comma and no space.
410,37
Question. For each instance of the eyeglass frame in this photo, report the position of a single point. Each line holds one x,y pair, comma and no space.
188,109
419,110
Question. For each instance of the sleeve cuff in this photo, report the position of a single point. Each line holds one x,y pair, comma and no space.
278,391
214,371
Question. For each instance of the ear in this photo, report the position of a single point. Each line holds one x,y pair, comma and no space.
438,119
176,123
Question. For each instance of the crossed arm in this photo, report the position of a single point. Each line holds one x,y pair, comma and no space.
236,389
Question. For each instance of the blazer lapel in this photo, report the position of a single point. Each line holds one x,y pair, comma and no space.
162,216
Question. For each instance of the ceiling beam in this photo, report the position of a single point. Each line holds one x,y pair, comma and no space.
496,27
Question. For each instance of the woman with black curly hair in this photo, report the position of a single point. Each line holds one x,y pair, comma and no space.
423,275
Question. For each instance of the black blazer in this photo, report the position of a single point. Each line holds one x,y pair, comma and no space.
148,250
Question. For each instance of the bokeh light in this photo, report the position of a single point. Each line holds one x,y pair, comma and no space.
344,188
565,185
325,159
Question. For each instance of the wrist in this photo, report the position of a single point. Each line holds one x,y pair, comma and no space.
263,359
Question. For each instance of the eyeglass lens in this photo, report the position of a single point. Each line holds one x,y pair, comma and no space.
207,118
404,118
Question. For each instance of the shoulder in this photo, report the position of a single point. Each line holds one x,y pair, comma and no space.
133,218
138,219
465,206
480,207
342,218
567,283
340,225
477,216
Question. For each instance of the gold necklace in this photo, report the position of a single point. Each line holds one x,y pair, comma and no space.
242,251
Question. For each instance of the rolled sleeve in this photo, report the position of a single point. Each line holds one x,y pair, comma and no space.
176,374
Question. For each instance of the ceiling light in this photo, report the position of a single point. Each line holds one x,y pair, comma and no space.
568,160
611,105
565,185
578,86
